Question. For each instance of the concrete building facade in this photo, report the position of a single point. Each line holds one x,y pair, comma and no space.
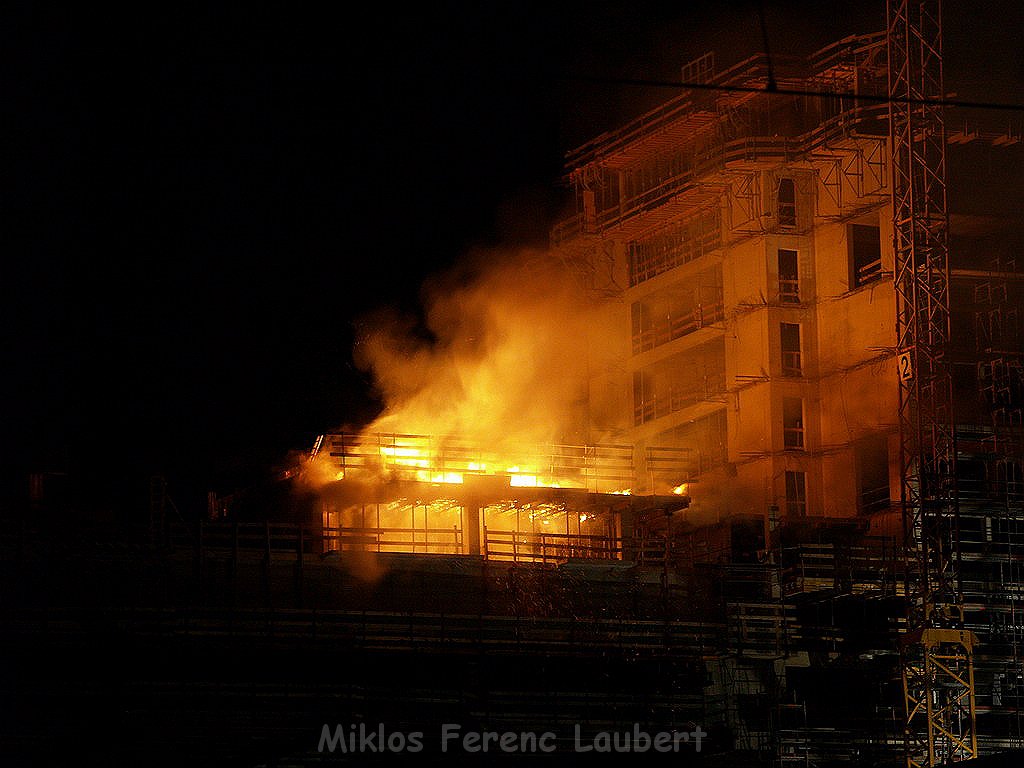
743,242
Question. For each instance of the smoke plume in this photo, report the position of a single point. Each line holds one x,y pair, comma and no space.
499,357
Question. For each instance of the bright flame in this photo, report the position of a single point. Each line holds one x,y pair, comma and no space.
623,492
409,457
389,450
340,475
681,489
494,385
439,477
401,525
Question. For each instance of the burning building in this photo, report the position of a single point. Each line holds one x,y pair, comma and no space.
739,255
488,444
741,451
744,241
834,336
409,493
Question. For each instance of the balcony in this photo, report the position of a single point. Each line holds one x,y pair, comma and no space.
677,397
673,328
789,290
681,244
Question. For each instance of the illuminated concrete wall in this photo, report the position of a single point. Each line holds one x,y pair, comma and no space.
775,330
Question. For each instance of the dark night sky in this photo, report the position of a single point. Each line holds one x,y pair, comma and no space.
203,199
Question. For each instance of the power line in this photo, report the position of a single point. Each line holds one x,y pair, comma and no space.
683,85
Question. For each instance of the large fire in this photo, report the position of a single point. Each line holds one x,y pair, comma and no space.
500,357
490,386
385,457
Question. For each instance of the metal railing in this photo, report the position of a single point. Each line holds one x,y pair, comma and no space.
855,569
243,537
411,540
715,158
793,438
528,547
385,630
674,328
595,467
666,250
789,290
791,364
676,398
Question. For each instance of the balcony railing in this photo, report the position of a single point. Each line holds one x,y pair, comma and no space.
791,364
676,398
793,438
789,290
528,547
669,249
716,157
413,540
676,327
597,468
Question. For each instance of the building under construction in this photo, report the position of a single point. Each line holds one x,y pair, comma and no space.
819,384
826,366
806,536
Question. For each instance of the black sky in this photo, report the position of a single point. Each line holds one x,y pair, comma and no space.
203,199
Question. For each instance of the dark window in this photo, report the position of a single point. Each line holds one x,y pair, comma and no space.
865,254
1011,474
789,277
793,422
872,454
796,494
790,336
787,203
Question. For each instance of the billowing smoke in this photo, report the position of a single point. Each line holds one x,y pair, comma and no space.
499,358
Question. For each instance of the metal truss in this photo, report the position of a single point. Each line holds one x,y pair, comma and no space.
849,174
938,682
937,655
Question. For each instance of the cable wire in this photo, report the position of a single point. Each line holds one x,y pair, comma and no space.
683,85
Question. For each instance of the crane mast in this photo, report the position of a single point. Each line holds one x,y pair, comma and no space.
936,650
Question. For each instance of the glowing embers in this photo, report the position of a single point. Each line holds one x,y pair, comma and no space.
402,525
545,532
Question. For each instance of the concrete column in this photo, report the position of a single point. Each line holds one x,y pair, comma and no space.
471,528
